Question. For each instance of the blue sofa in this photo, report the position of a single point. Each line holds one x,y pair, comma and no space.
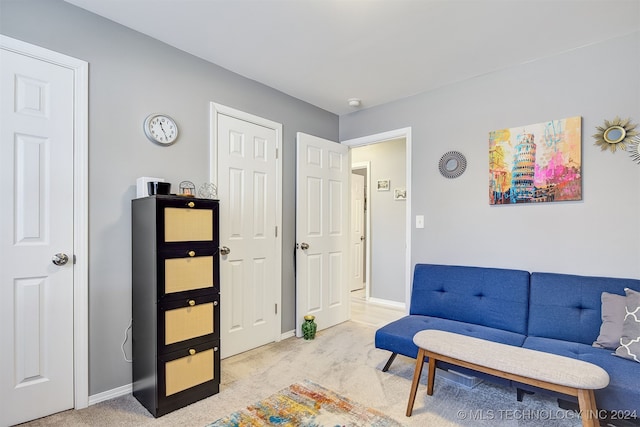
556,313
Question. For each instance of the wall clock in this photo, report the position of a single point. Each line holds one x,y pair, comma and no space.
161,129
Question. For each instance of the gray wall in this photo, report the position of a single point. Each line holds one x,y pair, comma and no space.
130,76
599,235
388,218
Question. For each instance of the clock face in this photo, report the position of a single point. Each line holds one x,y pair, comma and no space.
161,129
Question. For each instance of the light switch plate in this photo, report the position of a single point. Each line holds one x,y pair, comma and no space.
419,221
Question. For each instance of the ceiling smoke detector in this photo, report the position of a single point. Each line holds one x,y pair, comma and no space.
354,102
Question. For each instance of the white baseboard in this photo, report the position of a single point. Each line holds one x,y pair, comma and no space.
128,389
387,303
110,394
291,333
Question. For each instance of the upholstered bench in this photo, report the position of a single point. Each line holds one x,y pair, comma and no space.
536,368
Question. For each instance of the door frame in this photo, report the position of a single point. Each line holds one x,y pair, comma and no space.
217,109
367,227
80,71
383,137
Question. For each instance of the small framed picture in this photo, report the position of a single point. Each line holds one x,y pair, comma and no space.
400,194
384,185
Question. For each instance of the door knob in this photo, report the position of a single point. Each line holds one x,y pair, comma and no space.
304,246
224,250
362,238
60,259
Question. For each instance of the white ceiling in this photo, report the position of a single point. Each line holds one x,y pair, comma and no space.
327,51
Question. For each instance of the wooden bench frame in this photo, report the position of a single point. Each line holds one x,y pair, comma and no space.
586,397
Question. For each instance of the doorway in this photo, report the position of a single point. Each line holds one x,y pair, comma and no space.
387,197
360,251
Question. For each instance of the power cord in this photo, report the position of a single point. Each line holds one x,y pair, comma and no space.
126,337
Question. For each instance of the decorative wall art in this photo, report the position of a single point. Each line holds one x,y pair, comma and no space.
536,163
400,194
452,164
384,185
615,134
634,149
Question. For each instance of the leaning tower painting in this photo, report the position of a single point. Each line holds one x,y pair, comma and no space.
536,163
523,170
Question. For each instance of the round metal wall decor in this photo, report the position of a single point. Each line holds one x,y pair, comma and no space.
452,164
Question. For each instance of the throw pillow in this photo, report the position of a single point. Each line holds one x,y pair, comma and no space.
613,312
630,340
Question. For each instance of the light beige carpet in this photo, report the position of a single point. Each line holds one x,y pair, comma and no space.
343,359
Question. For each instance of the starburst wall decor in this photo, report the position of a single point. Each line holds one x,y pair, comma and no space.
634,149
615,134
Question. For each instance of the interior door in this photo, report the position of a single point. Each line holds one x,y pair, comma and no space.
250,271
322,231
37,222
357,232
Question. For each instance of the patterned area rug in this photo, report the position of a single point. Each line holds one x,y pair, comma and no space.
306,404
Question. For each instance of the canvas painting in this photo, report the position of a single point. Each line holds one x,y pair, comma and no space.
536,163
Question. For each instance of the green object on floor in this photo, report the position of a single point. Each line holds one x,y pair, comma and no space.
309,327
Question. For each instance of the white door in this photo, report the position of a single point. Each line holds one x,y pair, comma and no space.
37,222
250,272
357,232
322,231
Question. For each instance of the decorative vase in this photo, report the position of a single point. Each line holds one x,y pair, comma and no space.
309,327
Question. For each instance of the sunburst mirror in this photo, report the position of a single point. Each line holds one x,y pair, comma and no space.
634,149
615,134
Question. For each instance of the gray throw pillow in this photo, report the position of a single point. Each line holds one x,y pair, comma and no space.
613,312
630,340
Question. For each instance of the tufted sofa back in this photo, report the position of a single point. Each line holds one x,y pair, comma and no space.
497,298
568,307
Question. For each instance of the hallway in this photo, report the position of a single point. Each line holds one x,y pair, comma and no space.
372,314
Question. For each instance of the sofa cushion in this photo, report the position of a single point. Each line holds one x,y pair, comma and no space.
397,336
567,307
491,297
630,339
612,320
623,374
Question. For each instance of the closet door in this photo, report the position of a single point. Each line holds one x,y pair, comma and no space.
36,243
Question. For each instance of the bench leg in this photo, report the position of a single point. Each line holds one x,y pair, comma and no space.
416,380
432,375
389,362
520,394
588,409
